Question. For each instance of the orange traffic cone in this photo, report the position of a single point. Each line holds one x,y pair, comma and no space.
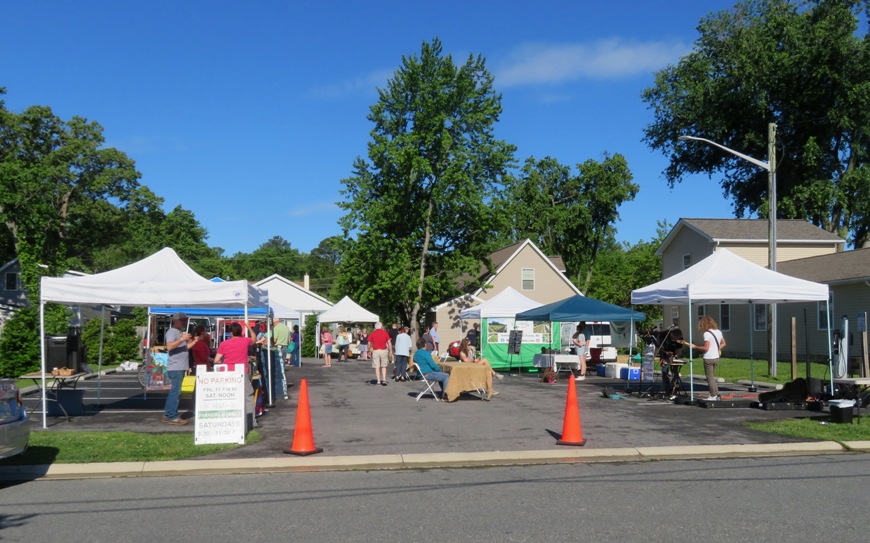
303,439
572,434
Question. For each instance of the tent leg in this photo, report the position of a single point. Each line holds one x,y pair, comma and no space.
42,362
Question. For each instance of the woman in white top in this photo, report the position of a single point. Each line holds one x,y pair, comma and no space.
714,342
578,340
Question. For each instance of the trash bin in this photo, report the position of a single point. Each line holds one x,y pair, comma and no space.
841,411
55,352
73,401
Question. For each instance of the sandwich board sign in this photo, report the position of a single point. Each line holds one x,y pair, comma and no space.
220,406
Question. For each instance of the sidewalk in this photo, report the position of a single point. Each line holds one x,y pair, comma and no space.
362,426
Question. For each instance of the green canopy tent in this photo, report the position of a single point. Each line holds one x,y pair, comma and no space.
497,321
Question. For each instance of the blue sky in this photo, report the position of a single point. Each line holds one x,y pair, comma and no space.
250,113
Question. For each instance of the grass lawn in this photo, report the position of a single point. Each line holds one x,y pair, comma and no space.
740,369
817,428
86,447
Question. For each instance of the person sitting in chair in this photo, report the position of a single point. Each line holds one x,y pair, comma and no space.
466,356
427,366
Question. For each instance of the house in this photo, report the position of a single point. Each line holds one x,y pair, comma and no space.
692,240
12,294
293,295
522,266
848,276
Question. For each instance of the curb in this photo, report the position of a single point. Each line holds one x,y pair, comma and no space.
420,461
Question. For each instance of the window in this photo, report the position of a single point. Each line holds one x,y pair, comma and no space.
528,278
702,310
675,315
12,281
760,318
725,317
823,316
687,261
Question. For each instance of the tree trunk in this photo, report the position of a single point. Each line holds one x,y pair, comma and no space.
415,311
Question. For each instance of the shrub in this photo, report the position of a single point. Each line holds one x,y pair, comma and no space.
19,345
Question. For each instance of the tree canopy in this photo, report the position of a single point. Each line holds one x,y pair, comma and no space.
803,65
417,214
57,182
567,214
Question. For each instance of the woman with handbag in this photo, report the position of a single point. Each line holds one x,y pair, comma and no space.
714,342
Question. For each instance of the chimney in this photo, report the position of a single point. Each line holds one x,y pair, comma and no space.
307,282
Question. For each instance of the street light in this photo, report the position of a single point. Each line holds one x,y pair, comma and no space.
770,166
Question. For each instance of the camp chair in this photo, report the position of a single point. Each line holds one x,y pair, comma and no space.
427,383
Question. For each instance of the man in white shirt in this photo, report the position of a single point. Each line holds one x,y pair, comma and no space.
403,354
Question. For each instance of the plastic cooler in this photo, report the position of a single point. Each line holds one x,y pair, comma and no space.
631,374
613,369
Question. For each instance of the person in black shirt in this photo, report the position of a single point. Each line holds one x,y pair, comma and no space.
473,336
393,332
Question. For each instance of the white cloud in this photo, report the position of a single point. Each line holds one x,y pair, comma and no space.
364,84
543,64
313,209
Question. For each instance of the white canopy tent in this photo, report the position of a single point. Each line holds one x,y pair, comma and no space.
725,278
506,303
160,279
346,310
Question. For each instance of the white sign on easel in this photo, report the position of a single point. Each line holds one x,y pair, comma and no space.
220,405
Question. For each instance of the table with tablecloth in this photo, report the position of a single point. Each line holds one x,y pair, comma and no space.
559,362
465,376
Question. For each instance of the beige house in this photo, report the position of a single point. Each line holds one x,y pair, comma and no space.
522,266
692,240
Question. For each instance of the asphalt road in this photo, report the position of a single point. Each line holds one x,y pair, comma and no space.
350,416
716,501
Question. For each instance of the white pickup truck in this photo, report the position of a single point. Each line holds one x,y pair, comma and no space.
597,337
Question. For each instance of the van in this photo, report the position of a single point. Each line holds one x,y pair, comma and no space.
598,336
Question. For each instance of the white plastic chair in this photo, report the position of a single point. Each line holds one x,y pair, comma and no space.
427,384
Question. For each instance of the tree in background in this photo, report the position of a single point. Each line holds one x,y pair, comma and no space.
53,174
322,264
120,341
569,215
274,256
417,212
19,342
623,268
309,337
802,65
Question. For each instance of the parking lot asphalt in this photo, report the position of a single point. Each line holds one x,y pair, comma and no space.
352,417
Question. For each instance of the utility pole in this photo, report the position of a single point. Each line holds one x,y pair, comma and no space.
771,219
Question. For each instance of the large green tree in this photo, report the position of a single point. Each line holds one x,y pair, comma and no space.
568,214
417,214
802,64
622,268
55,178
274,256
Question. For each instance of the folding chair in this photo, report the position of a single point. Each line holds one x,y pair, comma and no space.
442,357
427,384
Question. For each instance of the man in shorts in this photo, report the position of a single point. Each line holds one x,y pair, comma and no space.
380,345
